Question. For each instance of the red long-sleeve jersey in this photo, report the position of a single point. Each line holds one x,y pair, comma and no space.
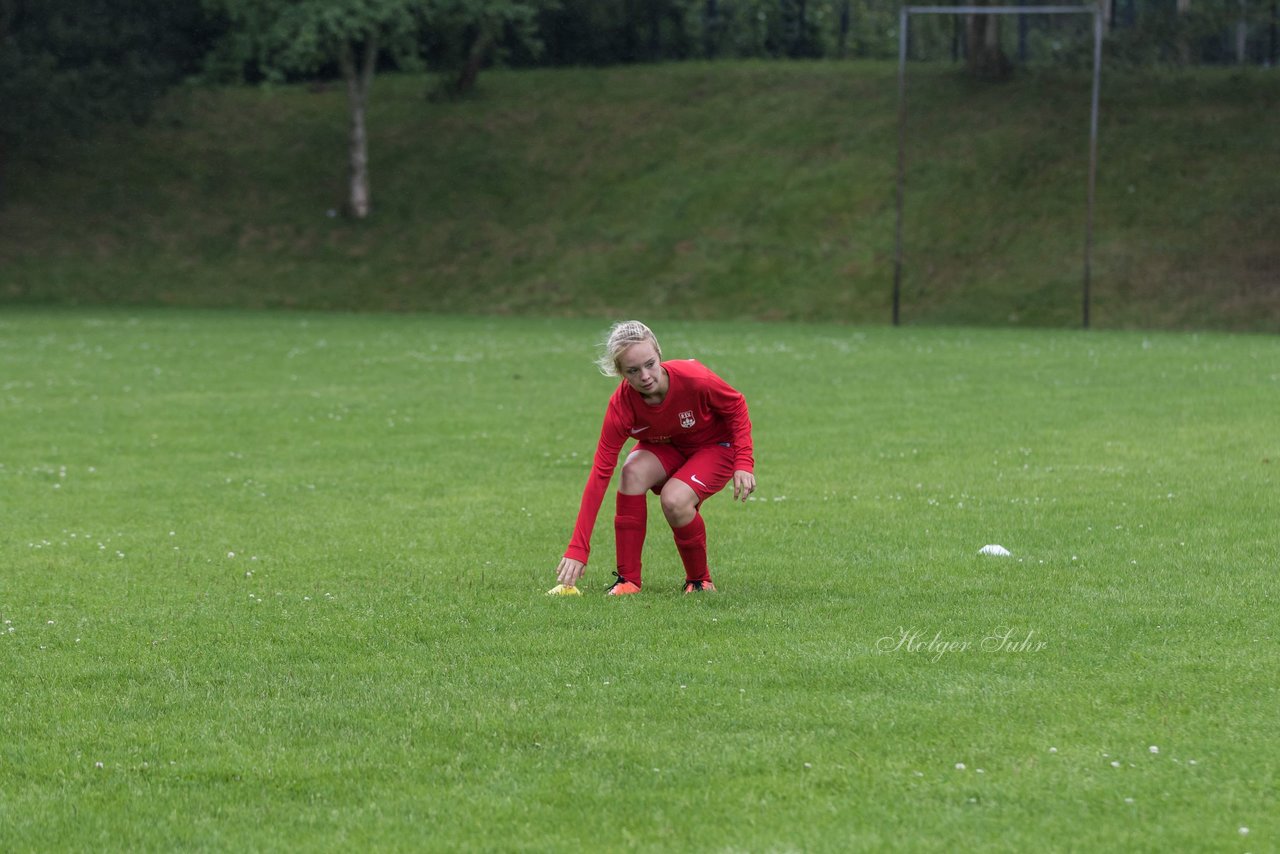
700,409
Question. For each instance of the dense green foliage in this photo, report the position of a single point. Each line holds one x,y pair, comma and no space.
275,582
749,190
1144,31
276,38
66,65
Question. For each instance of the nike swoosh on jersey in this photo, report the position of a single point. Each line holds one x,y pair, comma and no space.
635,430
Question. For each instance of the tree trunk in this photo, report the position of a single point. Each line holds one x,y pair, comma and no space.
475,61
1184,42
359,77
843,50
628,41
1242,34
1271,52
799,46
655,32
987,59
710,29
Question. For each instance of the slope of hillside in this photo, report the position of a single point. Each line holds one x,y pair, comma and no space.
729,190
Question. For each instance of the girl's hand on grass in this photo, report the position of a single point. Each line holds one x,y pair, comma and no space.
744,483
569,571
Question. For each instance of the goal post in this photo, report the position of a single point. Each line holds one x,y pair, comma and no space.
904,20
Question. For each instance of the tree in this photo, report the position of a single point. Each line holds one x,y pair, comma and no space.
68,65
987,59
278,38
604,32
282,37
466,34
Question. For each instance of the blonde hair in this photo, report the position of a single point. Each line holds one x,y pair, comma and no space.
622,335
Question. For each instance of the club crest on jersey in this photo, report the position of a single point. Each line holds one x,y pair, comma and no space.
687,420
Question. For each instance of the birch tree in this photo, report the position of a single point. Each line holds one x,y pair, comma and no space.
302,36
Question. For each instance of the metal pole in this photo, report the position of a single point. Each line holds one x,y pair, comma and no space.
902,141
998,10
1093,160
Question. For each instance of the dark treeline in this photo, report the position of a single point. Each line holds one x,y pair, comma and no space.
603,32
65,65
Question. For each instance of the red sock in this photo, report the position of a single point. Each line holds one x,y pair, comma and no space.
628,530
691,542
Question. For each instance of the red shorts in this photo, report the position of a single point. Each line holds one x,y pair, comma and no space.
705,470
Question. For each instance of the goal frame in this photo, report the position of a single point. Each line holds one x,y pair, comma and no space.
904,21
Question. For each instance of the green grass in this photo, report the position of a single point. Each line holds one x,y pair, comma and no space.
377,665
726,191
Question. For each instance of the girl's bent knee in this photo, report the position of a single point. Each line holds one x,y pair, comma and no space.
639,474
630,481
678,509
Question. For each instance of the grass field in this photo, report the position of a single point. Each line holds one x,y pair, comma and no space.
276,582
713,191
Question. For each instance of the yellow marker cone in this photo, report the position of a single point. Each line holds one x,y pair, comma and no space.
564,590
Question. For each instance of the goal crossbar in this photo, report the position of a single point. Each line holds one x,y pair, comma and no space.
998,10
904,19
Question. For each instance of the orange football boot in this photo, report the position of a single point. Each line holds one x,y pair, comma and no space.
622,587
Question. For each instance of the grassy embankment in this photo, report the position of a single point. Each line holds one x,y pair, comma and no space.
739,190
